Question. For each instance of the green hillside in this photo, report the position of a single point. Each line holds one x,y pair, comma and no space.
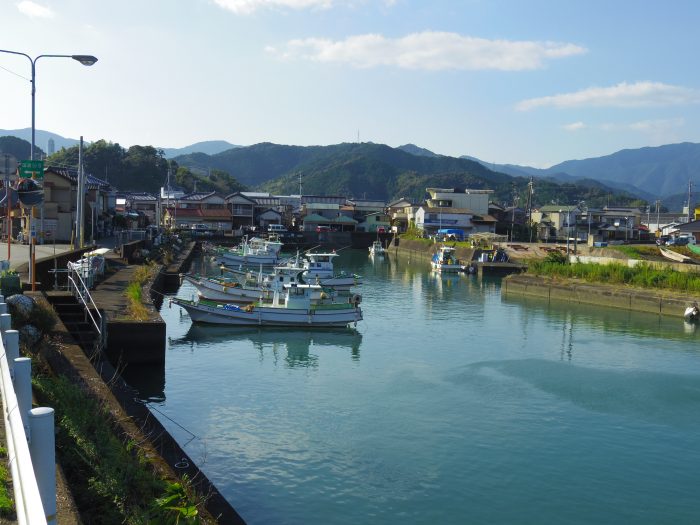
19,148
141,168
378,171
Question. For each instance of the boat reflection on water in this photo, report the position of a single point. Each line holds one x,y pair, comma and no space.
296,341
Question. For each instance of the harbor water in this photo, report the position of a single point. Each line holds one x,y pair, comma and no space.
447,404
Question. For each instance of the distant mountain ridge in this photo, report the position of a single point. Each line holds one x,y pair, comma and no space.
377,171
651,172
210,147
41,138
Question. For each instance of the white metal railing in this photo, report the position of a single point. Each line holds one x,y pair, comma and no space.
27,477
82,294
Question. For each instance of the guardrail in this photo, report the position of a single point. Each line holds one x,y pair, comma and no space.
29,433
80,290
82,293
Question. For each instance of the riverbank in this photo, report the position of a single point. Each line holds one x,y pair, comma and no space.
613,296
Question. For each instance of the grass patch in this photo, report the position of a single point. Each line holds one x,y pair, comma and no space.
637,252
112,481
642,275
136,310
7,506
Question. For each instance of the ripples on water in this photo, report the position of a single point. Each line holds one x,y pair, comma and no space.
447,404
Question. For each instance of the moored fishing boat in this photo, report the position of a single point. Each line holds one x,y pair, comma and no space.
295,306
318,269
252,252
245,287
445,260
377,249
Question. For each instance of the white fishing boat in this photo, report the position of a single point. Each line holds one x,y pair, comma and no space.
318,269
692,312
377,249
675,256
252,252
245,287
445,260
295,306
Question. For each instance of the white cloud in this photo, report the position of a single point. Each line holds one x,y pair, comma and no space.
33,10
244,7
622,95
430,50
646,126
574,126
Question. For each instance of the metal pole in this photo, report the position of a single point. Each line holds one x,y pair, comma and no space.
8,201
79,200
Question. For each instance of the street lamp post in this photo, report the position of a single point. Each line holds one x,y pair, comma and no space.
86,60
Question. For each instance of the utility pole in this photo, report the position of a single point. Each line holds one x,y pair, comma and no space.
530,191
658,226
79,199
690,189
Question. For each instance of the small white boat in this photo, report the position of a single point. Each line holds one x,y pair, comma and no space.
445,260
377,249
296,306
252,252
675,256
692,313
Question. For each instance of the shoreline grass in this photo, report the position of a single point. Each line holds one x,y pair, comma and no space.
642,275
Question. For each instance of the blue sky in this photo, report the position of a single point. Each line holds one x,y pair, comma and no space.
508,81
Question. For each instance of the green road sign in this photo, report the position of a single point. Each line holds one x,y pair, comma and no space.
31,169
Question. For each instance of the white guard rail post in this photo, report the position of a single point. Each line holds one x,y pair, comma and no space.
28,504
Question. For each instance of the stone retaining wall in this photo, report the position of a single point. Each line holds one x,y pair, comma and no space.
571,290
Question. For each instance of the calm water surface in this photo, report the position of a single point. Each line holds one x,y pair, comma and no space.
447,404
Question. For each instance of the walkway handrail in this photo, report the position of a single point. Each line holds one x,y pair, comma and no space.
29,508
98,326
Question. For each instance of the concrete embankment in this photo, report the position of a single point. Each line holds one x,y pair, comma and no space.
614,296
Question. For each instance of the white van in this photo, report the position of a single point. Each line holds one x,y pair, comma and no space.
276,228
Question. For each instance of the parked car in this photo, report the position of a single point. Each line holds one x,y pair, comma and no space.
677,241
661,241
320,229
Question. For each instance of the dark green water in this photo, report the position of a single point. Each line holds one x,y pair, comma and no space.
447,405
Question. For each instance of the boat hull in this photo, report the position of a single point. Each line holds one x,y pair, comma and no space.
221,292
447,268
270,316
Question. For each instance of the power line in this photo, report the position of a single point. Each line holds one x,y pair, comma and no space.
16,74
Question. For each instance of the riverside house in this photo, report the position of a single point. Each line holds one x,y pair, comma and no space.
464,209
60,203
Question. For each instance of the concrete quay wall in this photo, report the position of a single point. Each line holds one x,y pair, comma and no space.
571,290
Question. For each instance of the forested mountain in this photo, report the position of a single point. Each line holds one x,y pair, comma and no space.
378,171
140,168
19,148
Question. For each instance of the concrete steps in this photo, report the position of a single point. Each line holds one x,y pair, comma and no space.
76,321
